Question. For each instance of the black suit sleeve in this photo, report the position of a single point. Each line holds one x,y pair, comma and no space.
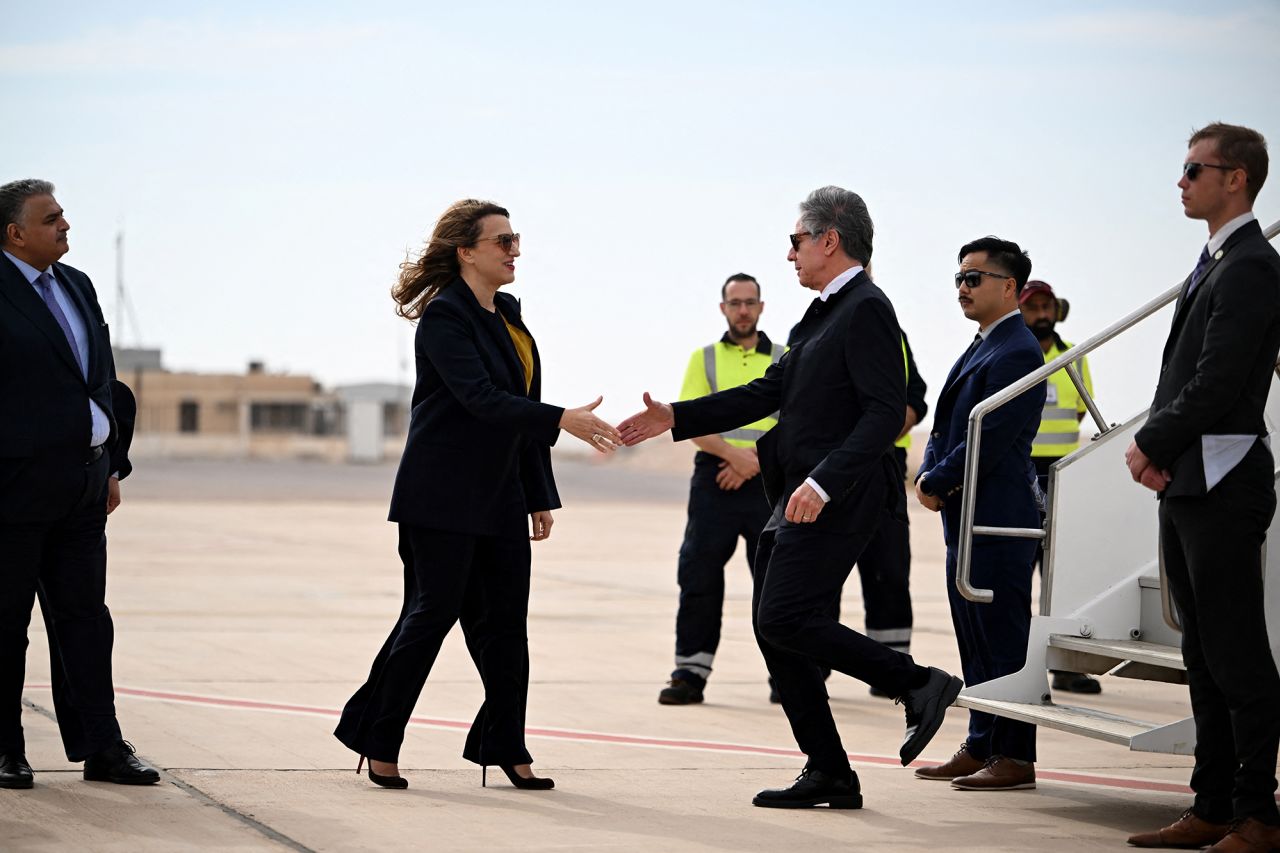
1000,428
448,342
124,408
730,408
1244,304
873,359
915,384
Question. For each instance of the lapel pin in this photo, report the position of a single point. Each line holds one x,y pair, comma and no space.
1217,256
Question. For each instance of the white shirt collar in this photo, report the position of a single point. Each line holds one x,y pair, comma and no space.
25,268
987,331
833,286
1217,241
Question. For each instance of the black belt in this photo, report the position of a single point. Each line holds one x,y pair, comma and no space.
94,454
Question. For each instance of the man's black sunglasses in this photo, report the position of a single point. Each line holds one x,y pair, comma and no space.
1192,170
973,278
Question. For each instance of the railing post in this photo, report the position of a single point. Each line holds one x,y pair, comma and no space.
1077,380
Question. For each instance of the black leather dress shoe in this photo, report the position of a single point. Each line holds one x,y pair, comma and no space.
119,765
926,707
15,772
681,691
813,788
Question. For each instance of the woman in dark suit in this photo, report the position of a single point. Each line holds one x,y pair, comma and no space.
477,463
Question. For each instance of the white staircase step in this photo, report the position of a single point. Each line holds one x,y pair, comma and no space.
1080,721
1155,654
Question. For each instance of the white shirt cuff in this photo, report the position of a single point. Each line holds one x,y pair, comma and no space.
813,484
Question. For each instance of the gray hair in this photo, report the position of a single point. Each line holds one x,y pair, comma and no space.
844,212
13,198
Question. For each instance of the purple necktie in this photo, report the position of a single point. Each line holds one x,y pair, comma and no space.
1201,263
45,284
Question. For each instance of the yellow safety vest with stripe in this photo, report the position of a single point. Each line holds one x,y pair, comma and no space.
725,364
1059,432
905,441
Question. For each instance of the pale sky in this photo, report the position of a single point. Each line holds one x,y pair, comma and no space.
272,163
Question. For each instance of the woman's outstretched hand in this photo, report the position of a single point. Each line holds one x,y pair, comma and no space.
582,423
656,419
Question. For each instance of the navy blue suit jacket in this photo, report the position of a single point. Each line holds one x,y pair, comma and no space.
44,419
1005,471
478,455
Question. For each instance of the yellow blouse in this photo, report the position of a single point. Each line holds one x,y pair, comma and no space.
524,349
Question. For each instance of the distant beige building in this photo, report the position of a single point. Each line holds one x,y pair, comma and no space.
259,414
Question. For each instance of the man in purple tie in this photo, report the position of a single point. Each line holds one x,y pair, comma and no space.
1204,450
63,440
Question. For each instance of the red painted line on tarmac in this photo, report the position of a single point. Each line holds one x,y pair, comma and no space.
583,736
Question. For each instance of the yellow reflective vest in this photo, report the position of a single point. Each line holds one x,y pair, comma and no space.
905,441
725,364
1059,432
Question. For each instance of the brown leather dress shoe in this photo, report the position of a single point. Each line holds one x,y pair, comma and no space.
1189,831
1249,836
960,764
998,774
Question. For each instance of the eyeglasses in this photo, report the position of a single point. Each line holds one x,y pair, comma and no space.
735,304
973,278
795,239
506,241
1192,170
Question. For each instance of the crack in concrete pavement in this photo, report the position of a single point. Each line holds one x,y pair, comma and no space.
201,797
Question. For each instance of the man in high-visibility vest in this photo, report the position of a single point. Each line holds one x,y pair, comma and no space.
726,495
1064,408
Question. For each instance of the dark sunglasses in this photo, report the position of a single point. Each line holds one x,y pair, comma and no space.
795,239
506,241
973,278
1192,170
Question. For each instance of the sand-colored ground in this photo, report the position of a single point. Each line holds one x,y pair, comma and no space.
249,600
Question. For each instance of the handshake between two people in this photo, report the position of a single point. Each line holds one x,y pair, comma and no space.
582,423
803,507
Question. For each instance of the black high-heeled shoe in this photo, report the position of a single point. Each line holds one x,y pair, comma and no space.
397,782
534,783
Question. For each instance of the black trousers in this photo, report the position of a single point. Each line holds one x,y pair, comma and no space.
884,568
799,571
993,638
1213,561
64,562
716,520
483,582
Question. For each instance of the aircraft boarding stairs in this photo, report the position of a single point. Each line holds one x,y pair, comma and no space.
1103,604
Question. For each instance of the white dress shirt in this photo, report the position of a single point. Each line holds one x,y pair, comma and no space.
1016,312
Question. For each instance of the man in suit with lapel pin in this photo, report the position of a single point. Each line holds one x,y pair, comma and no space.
1204,451
61,460
830,475
999,754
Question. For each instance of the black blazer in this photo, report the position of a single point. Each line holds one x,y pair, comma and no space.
1006,497
44,422
478,456
840,394
1218,362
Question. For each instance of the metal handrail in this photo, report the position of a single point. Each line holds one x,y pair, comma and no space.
968,494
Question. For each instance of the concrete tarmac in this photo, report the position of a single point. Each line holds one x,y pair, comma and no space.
250,598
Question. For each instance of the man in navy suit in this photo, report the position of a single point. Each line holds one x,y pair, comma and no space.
62,454
999,754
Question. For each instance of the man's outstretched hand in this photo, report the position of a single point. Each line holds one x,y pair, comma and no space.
656,419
